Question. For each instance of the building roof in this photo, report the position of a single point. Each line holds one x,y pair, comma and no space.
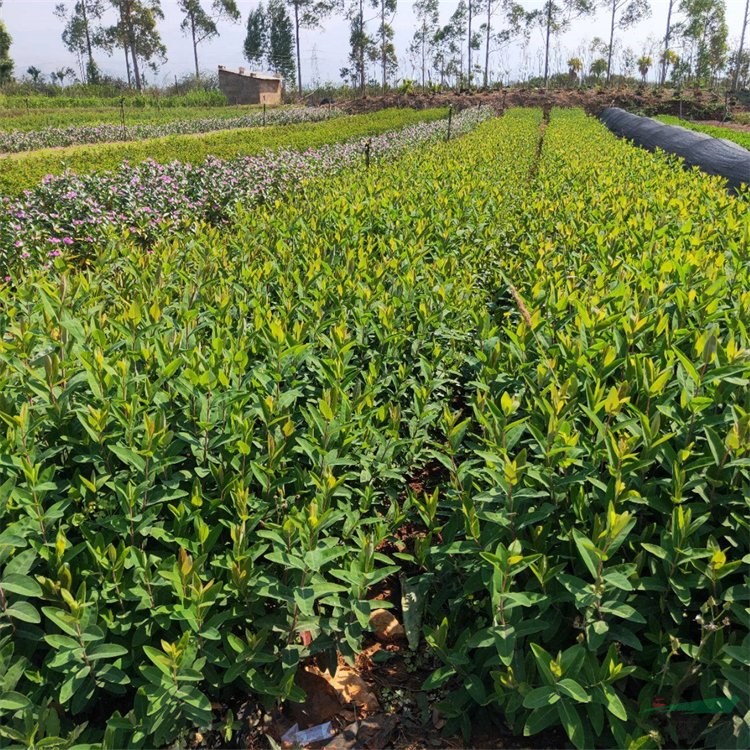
250,73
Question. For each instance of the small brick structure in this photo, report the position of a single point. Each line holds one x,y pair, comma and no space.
245,87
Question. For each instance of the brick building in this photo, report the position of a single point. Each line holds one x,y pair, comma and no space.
243,87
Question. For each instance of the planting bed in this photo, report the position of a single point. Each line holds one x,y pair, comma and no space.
25,170
13,141
498,386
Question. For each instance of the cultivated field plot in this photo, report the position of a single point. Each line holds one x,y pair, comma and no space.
17,140
111,114
23,171
498,383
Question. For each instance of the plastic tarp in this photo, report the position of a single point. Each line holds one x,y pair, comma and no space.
715,156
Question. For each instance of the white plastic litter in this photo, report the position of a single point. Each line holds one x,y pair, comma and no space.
289,737
295,735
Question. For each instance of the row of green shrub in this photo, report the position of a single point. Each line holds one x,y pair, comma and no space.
38,119
20,171
66,98
741,137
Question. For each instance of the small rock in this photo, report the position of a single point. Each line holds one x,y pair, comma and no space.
352,688
345,740
385,626
375,731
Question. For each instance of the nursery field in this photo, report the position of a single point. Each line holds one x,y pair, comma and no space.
498,384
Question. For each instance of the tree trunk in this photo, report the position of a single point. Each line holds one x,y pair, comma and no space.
125,43
136,70
736,77
382,40
487,46
296,41
195,45
88,36
130,29
424,44
611,41
667,39
361,50
546,44
468,66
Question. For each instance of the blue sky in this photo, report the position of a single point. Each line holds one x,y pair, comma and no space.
36,41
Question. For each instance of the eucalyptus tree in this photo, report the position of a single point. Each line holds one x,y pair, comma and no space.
6,62
201,23
361,46
667,40
82,32
514,15
308,14
553,18
280,41
422,43
623,14
740,56
704,30
451,38
136,33
255,46
385,47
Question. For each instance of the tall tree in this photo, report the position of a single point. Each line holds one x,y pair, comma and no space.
644,65
453,34
361,47
667,39
6,63
386,49
704,29
427,14
739,57
135,31
308,14
555,17
256,39
35,74
82,32
623,14
202,24
280,41
514,15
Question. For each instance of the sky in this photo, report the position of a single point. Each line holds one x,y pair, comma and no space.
36,41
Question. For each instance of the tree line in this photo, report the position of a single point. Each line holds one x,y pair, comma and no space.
456,51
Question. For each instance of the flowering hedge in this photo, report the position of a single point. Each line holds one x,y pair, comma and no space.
73,214
19,172
15,141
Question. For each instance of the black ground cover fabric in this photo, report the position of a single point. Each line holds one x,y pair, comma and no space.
713,155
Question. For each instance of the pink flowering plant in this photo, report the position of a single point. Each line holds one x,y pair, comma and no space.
71,215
